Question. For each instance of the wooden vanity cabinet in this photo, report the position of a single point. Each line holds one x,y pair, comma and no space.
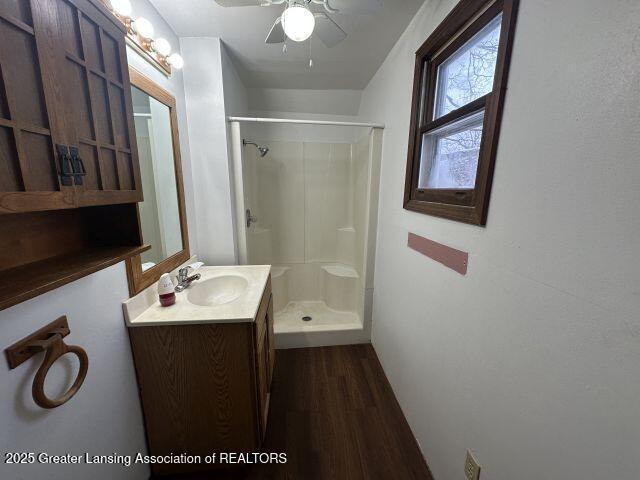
205,388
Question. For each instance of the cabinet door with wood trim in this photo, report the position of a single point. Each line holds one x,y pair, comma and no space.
270,340
103,144
34,173
262,358
264,348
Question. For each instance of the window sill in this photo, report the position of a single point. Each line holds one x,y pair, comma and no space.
459,213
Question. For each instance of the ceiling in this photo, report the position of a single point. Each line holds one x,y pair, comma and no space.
349,65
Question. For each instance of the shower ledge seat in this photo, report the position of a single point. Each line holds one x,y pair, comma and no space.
341,271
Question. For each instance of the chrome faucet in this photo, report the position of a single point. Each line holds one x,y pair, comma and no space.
184,280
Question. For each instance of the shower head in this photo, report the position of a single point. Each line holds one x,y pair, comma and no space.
263,149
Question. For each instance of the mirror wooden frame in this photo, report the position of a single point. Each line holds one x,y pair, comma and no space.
139,280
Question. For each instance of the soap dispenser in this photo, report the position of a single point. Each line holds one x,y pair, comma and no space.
166,291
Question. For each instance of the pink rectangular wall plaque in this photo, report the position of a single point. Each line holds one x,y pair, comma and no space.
450,257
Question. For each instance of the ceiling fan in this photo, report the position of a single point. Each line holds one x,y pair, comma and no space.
298,22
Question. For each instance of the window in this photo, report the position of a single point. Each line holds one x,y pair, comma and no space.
459,86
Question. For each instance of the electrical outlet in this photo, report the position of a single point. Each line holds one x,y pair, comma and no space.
471,467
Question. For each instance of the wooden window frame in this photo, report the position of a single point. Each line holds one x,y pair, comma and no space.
462,23
137,278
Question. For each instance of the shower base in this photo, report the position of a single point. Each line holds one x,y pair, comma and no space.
326,327
290,318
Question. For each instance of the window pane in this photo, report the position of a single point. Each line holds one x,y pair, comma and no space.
450,154
468,73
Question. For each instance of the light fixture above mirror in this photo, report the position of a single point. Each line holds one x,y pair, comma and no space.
143,28
140,36
122,7
162,46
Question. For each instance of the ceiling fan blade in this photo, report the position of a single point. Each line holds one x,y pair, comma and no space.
238,3
276,34
357,6
328,31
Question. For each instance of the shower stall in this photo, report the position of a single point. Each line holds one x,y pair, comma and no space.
306,203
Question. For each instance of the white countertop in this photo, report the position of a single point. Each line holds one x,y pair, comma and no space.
145,310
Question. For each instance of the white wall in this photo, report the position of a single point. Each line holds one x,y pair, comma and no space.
211,164
303,133
327,102
532,359
336,105
236,96
104,416
236,103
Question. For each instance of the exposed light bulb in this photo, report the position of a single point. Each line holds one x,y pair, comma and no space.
284,48
162,46
311,63
121,7
298,23
176,61
143,27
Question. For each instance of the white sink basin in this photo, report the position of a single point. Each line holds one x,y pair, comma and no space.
224,294
217,290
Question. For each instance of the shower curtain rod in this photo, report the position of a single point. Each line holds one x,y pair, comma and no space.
304,122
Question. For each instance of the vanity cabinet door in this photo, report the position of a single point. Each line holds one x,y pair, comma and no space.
263,333
270,341
263,382
33,119
99,95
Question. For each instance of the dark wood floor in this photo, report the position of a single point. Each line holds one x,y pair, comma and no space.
335,416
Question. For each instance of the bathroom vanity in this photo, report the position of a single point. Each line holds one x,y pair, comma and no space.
204,365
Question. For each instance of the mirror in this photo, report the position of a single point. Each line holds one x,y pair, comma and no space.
159,214
162,213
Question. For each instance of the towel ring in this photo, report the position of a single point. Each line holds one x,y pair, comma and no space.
56,348
48,339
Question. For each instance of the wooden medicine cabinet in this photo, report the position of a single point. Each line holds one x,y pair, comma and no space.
69,171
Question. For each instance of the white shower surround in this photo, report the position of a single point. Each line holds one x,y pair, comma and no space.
316,204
